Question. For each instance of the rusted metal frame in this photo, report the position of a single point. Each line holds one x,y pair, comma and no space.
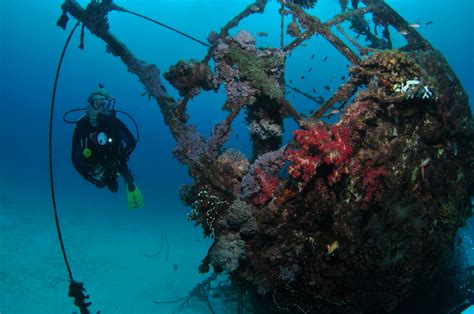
362,50
302,93
390,16
316,26
140,68
282,27
233,114
343,93
251,9
342,17
181,110
256,7
295,43
228,122
291,111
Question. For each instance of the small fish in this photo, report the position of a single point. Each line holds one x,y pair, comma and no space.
236,136
403,32
254,8
312,57
333,112
304,45
293,95
314,91
429,23
175,267
311,111
414,25
291,81
357,36
302,77
425,162
343,77
325,58
423,165
309,70
320,100
327,87
262,34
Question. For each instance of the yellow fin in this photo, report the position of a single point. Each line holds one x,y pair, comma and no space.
135,199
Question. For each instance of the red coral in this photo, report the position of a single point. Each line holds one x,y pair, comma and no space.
372,184
318,146
268,184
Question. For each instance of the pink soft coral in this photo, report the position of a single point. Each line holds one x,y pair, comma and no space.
268,183
319,146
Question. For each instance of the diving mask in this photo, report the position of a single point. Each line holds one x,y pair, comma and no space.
103,104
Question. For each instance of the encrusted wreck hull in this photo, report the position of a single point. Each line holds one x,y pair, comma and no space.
322,246
349,216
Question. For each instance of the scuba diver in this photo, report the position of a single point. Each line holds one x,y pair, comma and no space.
102,145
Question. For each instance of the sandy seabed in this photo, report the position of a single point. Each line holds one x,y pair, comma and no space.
105,249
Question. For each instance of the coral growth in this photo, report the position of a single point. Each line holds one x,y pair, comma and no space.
238,217
247,71
265,129
227,252
371,184
268,184
206,208
318,147
189,77
307,4
189,146
262,179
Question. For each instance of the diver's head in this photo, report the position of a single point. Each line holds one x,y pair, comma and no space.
100,105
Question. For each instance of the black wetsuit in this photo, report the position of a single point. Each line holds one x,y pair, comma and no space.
112,156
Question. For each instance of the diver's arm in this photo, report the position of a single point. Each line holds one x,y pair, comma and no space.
127,141
77,157
127,145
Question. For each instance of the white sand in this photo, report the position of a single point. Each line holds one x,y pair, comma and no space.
103,251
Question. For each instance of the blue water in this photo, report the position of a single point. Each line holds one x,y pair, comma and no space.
102,237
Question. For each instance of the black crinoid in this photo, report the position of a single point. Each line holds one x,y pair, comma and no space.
305,4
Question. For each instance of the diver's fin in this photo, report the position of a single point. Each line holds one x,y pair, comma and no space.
135,199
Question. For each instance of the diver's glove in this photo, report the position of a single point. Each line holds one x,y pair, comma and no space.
98,173
111,166
96,176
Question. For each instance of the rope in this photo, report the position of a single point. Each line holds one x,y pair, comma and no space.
121,9
51,175
76,289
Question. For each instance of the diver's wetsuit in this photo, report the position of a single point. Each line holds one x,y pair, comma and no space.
106,160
